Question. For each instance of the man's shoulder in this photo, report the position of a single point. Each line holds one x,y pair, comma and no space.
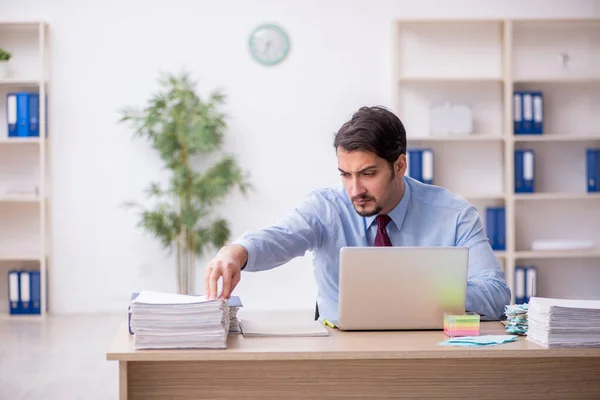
436,196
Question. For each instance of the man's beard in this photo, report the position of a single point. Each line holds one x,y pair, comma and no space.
366,213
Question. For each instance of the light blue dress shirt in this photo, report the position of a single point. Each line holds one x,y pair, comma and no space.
427,215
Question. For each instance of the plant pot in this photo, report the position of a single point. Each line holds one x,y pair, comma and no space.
3,69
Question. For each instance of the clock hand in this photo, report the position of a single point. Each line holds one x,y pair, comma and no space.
267,47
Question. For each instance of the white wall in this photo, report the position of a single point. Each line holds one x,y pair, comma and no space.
106,55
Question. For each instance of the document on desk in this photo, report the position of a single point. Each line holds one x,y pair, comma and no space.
282,328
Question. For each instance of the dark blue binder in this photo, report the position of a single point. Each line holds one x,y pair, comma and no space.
427,174
25,291
500,228
11,114
14,292
524,171
518,112
490,226
538,113
22,114
527,112
520,284
593,169
34,115
496,227
519,183
530,282
36,292
415,161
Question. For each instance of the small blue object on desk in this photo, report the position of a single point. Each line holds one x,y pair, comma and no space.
478,341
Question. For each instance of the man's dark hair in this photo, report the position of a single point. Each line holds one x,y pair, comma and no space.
373,129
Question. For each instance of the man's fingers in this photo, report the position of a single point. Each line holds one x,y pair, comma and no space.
207,272
226,284
236,279
212,282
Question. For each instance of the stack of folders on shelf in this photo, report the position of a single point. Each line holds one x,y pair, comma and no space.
524,171
564,322
495,225
173,321
525,283
24,292
593,169
420,165
23,114
528,112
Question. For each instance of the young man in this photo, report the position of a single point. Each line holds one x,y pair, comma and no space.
379,207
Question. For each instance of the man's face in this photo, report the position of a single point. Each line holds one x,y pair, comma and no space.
369,180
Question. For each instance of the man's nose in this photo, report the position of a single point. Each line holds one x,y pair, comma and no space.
356,187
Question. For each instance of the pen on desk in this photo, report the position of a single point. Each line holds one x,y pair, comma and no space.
329,324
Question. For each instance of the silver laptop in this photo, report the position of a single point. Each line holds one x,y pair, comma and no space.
401,288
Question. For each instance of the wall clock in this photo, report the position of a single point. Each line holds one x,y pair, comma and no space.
269,44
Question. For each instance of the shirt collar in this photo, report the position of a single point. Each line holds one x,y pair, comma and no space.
398,213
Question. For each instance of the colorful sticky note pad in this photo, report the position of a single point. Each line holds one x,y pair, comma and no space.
467,324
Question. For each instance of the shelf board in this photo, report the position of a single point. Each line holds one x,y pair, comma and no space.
13,141
20,257
482,196
19,140
20,317
19,199
457,138
557,196
20,82
26,24
449,79
579,253
559,79
556,138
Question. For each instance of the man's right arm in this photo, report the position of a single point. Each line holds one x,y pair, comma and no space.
292,236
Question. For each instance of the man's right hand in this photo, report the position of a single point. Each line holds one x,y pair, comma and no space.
227,264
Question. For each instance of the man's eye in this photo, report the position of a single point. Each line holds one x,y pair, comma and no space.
369,174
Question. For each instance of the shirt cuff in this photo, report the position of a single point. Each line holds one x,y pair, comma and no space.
251,249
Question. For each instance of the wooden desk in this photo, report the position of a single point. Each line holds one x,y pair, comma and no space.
358,365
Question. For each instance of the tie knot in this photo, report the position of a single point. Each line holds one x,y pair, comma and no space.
383,220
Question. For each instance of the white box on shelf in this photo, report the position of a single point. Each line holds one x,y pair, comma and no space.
562,244
450,119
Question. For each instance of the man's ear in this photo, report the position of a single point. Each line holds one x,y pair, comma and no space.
400,165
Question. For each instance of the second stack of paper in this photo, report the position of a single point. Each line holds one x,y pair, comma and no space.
564,322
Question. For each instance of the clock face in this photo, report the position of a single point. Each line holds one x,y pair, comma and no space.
269,44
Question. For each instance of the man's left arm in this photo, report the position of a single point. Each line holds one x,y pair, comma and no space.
487,291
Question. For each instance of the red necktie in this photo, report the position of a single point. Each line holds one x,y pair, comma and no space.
382,238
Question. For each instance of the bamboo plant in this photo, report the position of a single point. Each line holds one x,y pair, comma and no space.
184,127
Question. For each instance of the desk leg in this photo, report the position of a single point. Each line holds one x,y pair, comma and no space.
122,380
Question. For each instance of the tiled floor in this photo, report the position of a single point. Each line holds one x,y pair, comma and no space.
59,357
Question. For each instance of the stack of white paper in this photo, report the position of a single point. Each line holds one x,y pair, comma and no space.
234,323
564,323
170,321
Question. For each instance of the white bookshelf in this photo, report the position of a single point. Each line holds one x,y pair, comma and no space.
24,162
480,63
